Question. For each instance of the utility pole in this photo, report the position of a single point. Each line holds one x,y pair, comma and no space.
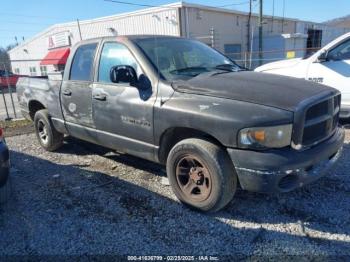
273,15
248,25
261,32
284,8
79,29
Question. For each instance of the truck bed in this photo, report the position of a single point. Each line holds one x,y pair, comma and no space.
34,91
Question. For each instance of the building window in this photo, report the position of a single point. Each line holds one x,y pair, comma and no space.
314,41
17,71
59,68
233,51
32,71
43,70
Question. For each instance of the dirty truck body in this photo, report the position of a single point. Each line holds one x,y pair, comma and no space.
178,102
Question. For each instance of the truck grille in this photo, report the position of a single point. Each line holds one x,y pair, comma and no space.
321,120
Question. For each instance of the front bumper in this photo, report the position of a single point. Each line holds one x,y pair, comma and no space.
4,164
282,170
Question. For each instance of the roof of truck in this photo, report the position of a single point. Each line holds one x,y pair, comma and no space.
129,37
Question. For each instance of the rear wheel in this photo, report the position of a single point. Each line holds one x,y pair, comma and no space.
201,174
46,133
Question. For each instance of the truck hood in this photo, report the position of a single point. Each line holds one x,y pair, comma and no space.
258,88
278,65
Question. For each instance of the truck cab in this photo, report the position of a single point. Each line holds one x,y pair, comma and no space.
329,66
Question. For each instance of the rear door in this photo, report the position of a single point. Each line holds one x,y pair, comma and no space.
76,91
334,72
122,114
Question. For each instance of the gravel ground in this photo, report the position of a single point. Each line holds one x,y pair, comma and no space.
86,200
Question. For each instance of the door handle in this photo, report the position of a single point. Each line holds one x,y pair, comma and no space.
100,96
67,92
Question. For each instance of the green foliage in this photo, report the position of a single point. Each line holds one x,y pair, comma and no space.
4,60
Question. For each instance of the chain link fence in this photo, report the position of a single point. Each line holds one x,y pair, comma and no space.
9,108
251,60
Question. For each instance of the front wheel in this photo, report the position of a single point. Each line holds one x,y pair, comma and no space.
201,175
49,138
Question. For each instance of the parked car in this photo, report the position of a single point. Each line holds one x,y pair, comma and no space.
4,166
178,102
8,79
329,66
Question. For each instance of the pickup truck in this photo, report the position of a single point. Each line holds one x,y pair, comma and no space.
178,102
329,66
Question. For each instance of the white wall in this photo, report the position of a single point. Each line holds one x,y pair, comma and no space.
230,28
159,22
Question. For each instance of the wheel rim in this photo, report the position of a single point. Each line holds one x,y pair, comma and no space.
42,132
193,178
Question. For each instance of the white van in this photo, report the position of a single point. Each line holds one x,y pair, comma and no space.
329,66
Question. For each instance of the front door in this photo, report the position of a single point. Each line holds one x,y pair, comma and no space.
76,92
334,72
123,114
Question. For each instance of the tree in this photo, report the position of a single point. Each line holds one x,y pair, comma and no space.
4,60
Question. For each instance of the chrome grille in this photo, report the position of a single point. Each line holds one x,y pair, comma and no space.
321,120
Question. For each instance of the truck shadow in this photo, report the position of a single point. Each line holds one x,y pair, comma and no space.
78,209
300,205
86,148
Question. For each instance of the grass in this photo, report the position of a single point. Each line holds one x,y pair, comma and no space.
14,123
17,127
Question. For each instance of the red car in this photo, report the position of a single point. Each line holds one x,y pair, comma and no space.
8,78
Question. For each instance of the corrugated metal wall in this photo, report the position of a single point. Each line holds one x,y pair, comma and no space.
162,22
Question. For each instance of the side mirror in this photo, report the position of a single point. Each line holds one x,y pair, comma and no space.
123,74
323,57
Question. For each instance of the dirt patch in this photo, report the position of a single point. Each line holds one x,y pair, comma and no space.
17,127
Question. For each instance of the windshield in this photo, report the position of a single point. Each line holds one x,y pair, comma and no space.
183,59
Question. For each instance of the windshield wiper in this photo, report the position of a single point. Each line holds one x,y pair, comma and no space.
187,69
226,67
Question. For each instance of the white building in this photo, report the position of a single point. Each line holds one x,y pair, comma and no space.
224,29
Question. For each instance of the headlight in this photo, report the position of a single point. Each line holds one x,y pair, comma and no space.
265,137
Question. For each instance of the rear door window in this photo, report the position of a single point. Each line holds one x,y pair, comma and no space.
83,61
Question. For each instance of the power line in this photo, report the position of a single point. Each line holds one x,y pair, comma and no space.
242,3
129,3
31,16
8,30
23,23
146,5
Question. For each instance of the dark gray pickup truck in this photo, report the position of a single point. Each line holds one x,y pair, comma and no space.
178,102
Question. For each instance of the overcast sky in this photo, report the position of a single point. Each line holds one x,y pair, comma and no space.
25,18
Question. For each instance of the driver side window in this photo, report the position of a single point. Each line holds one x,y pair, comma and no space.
341,52
115,54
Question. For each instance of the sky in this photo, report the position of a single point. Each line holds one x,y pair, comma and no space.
25,18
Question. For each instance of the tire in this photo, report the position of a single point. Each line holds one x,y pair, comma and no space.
46,133
210,173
